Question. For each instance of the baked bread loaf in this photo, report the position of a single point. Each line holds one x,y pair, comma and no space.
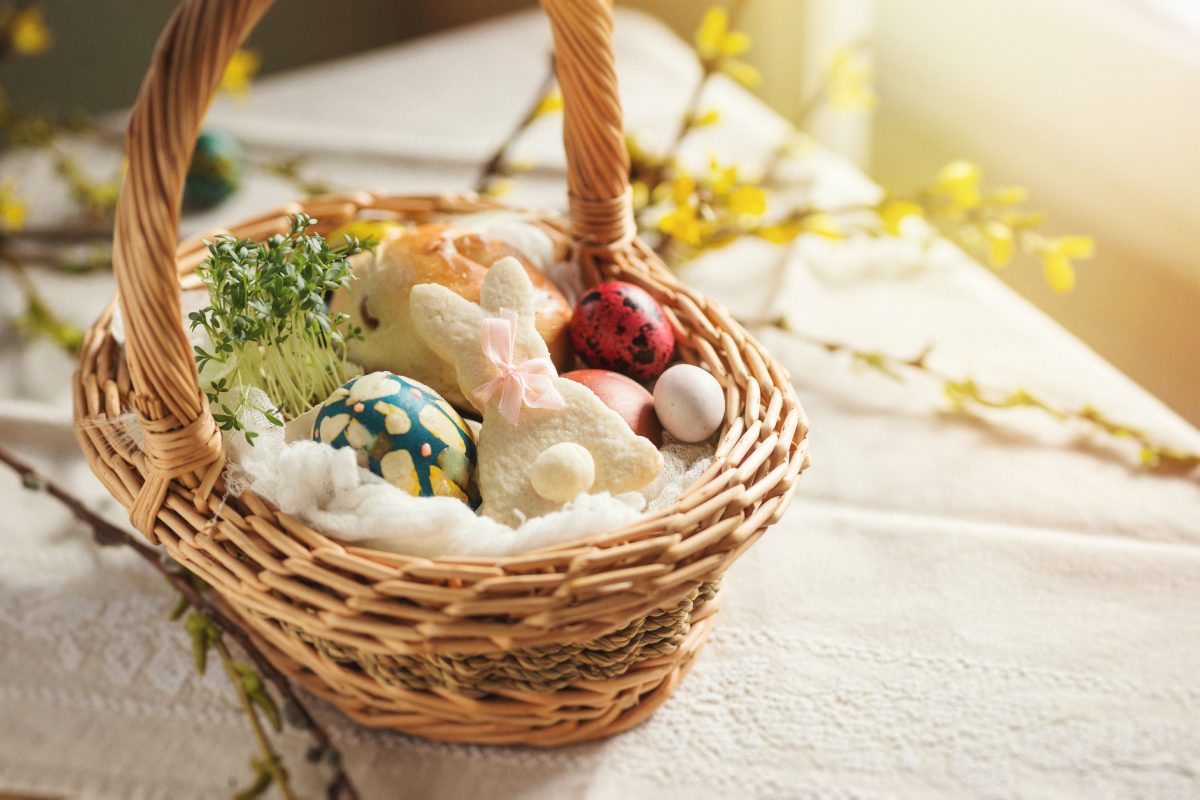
377,301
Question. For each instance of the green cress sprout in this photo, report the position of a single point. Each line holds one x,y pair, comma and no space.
268,323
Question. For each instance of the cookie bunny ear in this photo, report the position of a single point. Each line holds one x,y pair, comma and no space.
448,323
507,285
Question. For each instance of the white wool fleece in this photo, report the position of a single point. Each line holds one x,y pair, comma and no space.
325,487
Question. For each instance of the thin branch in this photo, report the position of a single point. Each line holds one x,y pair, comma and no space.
497,164
812,102
708,67
80,235
38,318
965,392
271,759
106,533
658,174
290,170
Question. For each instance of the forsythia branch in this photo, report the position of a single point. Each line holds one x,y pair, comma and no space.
38,318
965,393
209,614
497,166
270,766
291,169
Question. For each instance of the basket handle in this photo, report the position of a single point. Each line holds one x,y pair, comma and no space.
181,436
593,131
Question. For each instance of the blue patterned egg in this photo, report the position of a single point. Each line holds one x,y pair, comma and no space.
404,432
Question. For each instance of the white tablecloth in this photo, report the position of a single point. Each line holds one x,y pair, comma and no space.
952,607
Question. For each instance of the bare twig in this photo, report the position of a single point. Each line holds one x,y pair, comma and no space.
290,170
661,171
271,759
708,68
965,393
65,235
106,533
497,165
38,318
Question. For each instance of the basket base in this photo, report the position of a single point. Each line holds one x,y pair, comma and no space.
581,712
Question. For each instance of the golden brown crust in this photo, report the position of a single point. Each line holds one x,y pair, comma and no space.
459,260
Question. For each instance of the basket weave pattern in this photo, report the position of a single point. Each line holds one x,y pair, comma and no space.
556,646
535,669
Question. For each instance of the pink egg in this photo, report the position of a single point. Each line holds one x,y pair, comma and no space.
625,396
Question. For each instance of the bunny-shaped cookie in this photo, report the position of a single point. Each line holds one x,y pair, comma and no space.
527,409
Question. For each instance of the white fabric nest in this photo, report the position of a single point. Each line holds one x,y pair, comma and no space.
325,487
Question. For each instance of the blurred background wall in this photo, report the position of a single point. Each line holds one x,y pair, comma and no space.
1093,105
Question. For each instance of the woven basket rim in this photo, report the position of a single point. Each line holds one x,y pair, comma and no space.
186,262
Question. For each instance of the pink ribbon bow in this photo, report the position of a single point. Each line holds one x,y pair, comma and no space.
529,383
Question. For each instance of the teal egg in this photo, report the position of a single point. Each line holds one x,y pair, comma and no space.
404,432
215,171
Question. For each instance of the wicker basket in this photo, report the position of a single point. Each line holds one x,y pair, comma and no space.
562,645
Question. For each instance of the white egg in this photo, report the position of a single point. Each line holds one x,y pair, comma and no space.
690,403
562,471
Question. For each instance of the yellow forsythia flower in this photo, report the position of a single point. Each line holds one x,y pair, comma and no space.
823,225
999,240
721,179
641,194
893,213
714,39
780,232
551,103
818,223
742,72
13,208
498,187
1056,260
682,189
707,210
716,44
243,65
1059,273
849,83
682,224
1010,196
750,200
958,181
27,32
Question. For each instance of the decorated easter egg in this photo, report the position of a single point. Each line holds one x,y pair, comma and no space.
690,403
402,431
619,326
625,396
215,171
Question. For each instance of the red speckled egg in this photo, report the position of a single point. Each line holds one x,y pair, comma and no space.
619,326
625,396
